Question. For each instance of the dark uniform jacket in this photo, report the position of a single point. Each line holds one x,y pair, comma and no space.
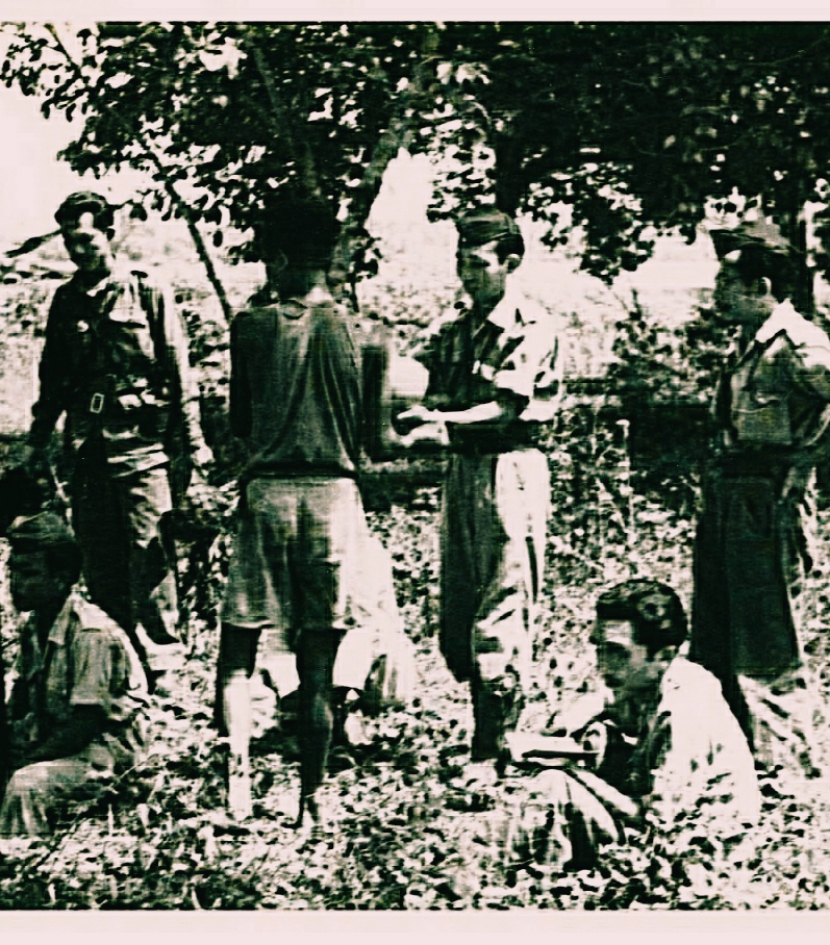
771,413
116,361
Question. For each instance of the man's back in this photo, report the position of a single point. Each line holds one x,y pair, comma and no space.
295,393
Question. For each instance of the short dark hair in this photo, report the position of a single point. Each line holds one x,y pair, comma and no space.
299,227
48,533
654,610
86,201
486,224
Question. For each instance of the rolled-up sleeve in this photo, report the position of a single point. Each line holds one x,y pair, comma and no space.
533,365
814,368
800,349
92,669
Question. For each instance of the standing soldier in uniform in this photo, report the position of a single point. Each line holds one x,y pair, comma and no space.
494,379
115,361
771,416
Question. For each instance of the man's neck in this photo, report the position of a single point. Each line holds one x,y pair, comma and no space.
750,328
484,309
46,615
634,712
92,280
302,285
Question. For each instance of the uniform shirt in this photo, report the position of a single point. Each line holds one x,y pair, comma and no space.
89,661
115,359
775,395
689,742
515,349
295,391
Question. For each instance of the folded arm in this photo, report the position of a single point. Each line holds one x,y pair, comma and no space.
84,725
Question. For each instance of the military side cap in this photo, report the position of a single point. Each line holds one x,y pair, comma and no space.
484,226
757,234
85,201
44,530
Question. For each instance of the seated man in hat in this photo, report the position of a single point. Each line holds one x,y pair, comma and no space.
664,741
771,412
495,372
78,703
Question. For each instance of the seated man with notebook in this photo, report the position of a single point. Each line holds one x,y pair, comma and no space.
665,743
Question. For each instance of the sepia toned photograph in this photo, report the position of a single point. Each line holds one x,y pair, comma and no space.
414,466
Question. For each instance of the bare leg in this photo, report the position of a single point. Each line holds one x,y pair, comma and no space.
237,699
488,717
315,665
237,658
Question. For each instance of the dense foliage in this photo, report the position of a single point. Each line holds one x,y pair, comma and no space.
637,128
223,115
614,130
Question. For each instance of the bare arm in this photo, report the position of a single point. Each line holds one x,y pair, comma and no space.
506,406
240,395
621,804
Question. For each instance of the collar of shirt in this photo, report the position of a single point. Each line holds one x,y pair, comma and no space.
682,676
293,308
510,312
57,634
784,318
120,275
674,680
96,291
315,296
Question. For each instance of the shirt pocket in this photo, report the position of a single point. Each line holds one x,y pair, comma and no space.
763,420
130,332
761,395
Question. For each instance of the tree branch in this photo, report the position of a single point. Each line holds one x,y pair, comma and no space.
301,154
397,136
161,171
